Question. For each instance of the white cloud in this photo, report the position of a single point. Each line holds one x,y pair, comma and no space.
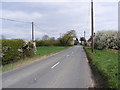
106,16
20,15
21,34
61,17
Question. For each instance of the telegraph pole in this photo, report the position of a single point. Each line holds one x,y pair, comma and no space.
33,31
92,27
33,37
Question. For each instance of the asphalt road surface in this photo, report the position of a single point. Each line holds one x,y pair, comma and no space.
67,69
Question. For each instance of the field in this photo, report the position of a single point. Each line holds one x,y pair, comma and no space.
106,63
41,52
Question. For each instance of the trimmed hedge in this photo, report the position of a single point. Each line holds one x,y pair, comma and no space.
15,49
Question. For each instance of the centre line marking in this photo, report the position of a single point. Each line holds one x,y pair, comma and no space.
55,65
68,55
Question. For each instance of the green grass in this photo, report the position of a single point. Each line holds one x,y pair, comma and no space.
41,51
106,61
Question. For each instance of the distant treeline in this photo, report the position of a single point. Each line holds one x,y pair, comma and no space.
65,40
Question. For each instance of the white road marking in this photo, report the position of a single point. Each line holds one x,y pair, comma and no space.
35,79
68,55
92,83
55,65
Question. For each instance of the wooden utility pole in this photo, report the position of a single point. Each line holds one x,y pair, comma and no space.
33,37
92,27
33,31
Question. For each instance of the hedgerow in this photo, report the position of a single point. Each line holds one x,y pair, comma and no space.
47,43
15,49
106,39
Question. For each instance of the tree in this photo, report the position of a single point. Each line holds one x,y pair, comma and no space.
67,39
82,39
52,38
45,37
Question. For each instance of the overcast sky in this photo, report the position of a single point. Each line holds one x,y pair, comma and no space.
53,18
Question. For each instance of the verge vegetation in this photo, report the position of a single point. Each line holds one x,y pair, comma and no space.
104,64
105,59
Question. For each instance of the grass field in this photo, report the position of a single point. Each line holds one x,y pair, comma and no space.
106,61
41,52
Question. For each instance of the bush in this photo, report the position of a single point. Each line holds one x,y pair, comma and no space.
106,39
28,50
15,49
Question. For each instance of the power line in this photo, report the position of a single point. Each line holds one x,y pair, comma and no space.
43,29
14,20
24,22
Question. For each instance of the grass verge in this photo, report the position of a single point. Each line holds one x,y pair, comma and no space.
42,52
104,64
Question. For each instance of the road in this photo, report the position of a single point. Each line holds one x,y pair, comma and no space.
67,69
